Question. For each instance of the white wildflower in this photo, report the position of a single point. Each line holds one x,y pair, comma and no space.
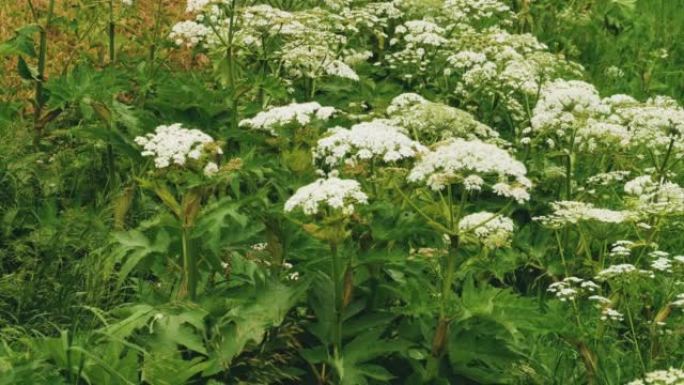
610,314
573,212
454,160
600,299
365,141
259,246
210,169
473,183
662,264
188,33
331,192
430,122
621,249
340,69
492,230
607,178
622,270
570,287
661,377
679,301
299,113
656,197
174,145
196,5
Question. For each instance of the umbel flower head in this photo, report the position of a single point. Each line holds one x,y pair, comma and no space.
327,193
653,197
364,141
294,113
188,33
428,122
492,230
661,377
573,212
474,162
196,5
175,145
570,287
572,111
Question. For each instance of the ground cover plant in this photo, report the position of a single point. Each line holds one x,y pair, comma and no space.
341,192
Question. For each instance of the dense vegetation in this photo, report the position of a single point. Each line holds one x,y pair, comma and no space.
342,192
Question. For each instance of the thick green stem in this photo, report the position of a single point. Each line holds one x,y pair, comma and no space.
439,340
568,177
112,32
662,172
189,279
230,56
39,99
155,34
635,340
338,298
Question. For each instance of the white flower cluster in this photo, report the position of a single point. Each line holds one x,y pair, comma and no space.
622,248
374,17
429,122
175,145
188,33
365,141
268,20
422,32
600,300
654,123
573,212
210,169
614,72
313,59
563,102
299,113
476,11
656,198
571,110
196,5
309,43
494,63
663,262
670,376
405,100
679,301
331,192
260,23
416,45
492,230
569,288
455,160
623,270
610,314
607,178
315,50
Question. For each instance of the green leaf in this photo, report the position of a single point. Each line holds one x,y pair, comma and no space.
21,43
134,246
261,308
185,329
25,71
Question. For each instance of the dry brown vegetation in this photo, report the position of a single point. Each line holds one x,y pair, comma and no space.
136,31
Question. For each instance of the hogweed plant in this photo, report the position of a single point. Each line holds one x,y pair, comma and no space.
458,170
183,160
331,202
421,192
